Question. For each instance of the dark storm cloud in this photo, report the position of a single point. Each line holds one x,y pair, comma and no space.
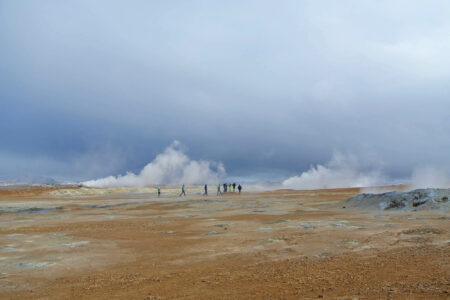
93,88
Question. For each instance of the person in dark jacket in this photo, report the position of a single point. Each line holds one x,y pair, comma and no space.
239,188
206,190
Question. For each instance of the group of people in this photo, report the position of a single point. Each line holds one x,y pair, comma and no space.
219,192
226,188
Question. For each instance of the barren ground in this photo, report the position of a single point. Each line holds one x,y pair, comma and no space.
72,243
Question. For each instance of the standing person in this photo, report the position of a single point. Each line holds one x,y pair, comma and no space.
239,188
159,191
206,190
224,187
234,186
229,187
182,191
218,190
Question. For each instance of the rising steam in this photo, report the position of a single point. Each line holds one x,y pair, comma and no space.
342,171
430,177
172,166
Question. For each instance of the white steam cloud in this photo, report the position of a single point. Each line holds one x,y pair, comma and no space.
430,177
172,166
342,171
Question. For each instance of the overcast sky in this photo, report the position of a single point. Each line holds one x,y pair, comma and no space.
268,88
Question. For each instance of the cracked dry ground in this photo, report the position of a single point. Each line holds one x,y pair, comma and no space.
282,245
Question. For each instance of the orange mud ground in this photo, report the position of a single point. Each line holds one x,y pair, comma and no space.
72,243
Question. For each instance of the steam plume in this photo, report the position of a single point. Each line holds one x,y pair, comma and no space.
342,171
172,166
430,177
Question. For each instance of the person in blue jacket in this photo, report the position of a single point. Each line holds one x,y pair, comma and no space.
182,191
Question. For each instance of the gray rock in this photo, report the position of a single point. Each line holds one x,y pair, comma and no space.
413,200
211,233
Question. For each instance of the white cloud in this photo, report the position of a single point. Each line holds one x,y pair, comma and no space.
172,166
342,171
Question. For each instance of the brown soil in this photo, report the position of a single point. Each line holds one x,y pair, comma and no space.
281,245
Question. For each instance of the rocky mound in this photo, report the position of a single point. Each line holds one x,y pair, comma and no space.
416,199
